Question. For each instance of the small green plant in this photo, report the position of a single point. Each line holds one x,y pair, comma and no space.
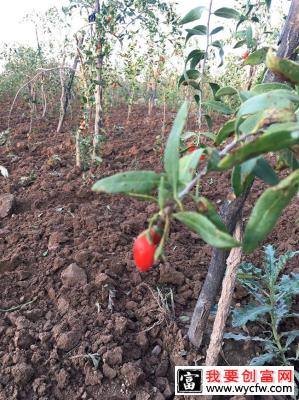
273,293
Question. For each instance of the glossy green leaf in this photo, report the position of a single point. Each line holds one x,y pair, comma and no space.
215,87
217,43
188,165
206,229
268,209
287,69
226,91
226,12
199,30
216,30
257,57
192,15
218,106
276,99
264,171
268,87
139,182
224,132
191,75
195,56
171,155
239,44
275,138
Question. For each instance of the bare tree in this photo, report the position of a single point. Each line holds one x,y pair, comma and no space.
99,116
66,87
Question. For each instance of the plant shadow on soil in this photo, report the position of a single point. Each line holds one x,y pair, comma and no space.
68,250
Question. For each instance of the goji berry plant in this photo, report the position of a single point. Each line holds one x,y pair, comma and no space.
264,123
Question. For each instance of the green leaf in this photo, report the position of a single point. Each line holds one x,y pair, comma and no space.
291,336
249,38
199,30
224,132
226,12
257,57
290,159
245,95
287,69
217,30
251,312
195,56
239,44
210,124
163,193
191,75
251,123
215,87
139,182
262,359
268,209
171,155
218,106
264,171
217,43
268,87
206,208
276,99
226,91
239,336
188,165
242,176
192,15
206,229
240,181
289,285
277,137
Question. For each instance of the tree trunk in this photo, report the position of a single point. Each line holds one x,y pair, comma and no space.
99,114
230,213
66,89
288,42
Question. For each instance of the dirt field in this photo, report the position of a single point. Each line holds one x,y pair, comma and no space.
67,251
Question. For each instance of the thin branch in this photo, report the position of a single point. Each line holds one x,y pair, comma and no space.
204,65
41,71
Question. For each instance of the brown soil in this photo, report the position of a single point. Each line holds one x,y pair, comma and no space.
67,251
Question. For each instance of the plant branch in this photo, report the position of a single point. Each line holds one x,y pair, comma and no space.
204,65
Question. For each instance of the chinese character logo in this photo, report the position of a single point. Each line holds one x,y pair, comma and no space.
189,381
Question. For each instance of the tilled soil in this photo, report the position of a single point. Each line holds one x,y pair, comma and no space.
87,324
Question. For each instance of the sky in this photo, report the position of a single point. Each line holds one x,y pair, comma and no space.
12,13
11,30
